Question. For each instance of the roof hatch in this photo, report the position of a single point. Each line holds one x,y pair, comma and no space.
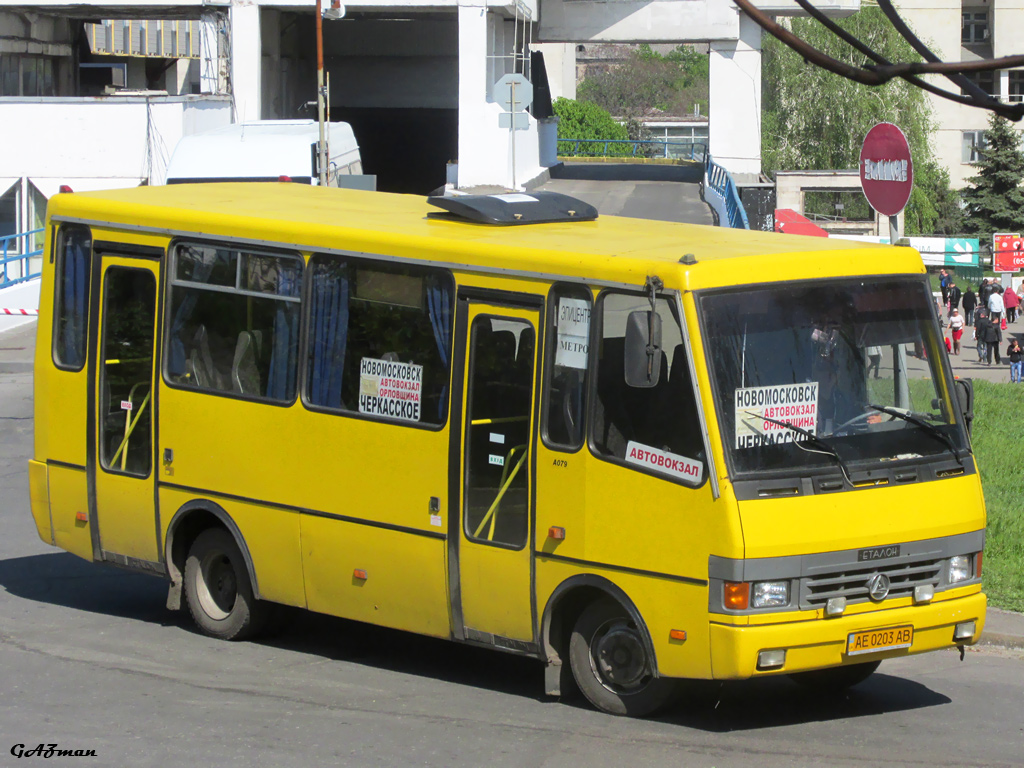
514,208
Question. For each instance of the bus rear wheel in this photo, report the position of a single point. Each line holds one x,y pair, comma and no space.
217,588
611,665
835,679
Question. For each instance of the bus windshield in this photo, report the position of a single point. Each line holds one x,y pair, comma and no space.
812,375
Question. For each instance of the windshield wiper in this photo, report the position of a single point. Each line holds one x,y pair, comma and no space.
827,448
931,429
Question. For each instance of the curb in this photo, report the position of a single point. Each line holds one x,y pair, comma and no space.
1001,640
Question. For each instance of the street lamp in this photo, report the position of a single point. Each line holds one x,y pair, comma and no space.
336,11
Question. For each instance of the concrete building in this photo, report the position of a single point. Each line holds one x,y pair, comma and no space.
97,95
966,30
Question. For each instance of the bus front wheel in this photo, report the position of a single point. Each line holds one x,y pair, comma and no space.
611,665
217,588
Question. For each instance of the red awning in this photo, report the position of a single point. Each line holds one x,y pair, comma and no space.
792,223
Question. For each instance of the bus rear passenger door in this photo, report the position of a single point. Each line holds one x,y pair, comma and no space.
121,455
489,538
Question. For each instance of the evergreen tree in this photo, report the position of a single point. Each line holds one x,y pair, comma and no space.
994,199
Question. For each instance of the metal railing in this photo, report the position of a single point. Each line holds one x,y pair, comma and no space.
16,256
721,194
653,148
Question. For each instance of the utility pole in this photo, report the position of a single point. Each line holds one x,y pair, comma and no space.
322,145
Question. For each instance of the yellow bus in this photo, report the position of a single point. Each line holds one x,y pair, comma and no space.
636,451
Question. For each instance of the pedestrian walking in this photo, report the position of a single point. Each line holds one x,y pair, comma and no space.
956,329
1011,302
984,291
954,297
995,306
944,285
970,301
1016,355
874,360
980,319
992,336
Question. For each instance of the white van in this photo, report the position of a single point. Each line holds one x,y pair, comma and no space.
266,150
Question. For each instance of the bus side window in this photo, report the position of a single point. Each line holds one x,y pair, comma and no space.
74,252
650,428
234,321
380,339
568,356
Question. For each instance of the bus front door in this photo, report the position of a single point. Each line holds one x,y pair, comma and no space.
489,539
121,457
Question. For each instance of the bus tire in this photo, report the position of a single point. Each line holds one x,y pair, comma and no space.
835,679
611,665
217,588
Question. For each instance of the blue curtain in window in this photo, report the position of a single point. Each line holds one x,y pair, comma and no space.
439,307
284,349
78,246
202,270
328,330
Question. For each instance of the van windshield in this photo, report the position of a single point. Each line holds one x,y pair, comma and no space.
803,372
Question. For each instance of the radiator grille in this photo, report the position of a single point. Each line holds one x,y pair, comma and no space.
852,583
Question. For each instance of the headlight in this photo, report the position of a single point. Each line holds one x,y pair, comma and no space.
769,594
959,568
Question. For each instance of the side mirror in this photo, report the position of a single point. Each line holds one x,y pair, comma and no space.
965,397
643,349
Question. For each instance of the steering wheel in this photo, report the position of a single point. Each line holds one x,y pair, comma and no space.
859,422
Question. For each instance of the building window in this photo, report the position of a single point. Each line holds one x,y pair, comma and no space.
984,80
974,27
1017,85
10,213
972,144
26,75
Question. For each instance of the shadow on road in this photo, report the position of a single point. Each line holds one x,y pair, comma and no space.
64,580
770,702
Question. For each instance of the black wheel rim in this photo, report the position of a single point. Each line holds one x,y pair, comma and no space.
618,658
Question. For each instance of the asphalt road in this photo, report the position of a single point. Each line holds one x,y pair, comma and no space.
92,660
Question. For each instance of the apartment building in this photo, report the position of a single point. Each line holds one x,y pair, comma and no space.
987,29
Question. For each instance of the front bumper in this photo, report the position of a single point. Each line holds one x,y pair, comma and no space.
821,643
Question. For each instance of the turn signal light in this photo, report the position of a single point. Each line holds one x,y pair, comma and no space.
977,565
81,517
737,595
677,634
360,574
556,532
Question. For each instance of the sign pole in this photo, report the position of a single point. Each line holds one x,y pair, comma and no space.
894,229
512,132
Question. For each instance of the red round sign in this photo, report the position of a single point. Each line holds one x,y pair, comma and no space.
886,171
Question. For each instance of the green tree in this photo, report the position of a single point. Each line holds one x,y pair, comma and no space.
586,120
815,120
994,199
647,81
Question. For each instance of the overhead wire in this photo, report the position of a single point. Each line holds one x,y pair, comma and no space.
883,70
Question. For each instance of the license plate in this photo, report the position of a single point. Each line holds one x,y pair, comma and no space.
885,639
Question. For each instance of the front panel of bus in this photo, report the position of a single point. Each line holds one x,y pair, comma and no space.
848,456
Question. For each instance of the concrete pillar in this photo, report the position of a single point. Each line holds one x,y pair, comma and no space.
246,59
209,54
735,102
